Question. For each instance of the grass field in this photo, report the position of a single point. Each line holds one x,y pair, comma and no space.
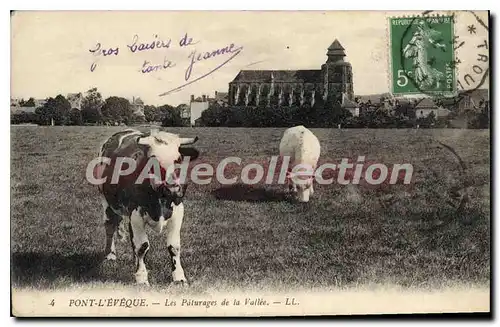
411,236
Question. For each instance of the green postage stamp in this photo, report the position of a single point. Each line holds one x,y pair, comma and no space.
422,55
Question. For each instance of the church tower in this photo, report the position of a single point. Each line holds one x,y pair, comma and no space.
337,75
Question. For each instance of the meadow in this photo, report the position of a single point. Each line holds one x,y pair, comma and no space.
413,236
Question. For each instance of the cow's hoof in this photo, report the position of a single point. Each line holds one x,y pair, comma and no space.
182,283
111,256
142,282
141,279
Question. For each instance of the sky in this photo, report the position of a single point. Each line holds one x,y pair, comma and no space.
51,51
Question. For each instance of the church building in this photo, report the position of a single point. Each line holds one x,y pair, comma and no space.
332,83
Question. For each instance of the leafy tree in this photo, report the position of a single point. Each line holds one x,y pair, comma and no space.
428,121
217,115
75,117
236,117
480,119
43,114
29,103
151,113
56,109
184,111
137,118
404,109
171,116
91,106
116,109
62,109
23,118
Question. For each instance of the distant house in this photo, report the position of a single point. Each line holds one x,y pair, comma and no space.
222,98
427,106
470,100
137,106
350,105
75,99
200,104
15,102
40,102
466,101
197,106
14,110
373,98
23,114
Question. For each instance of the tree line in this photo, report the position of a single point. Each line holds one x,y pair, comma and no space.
95,110
331,115
117,110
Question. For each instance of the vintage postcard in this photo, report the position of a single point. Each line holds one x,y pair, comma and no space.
253,163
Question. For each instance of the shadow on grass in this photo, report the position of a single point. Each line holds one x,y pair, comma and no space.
45,269
249,193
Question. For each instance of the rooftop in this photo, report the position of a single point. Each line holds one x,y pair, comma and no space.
298,76
426,103
17,109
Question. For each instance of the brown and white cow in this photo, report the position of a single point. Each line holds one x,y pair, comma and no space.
136,201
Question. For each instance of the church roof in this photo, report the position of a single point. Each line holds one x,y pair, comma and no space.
265,76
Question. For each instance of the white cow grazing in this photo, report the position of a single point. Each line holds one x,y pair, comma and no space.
303,148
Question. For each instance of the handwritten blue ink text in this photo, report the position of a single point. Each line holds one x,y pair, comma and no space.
150,45
197,57
147,67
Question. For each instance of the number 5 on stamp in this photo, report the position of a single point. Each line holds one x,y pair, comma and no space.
422,55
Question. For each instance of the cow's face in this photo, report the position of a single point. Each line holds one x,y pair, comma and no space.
304,190
168,149
164,146
302,185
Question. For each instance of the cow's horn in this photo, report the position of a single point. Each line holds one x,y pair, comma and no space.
188,140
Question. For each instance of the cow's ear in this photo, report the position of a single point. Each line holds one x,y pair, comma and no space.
147,140
192,153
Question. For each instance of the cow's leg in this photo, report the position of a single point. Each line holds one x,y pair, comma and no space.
174,243
121,233
290,185
111,221
140,246
110,249
312,181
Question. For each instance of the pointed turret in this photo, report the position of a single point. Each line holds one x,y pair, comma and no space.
335,52
337,75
